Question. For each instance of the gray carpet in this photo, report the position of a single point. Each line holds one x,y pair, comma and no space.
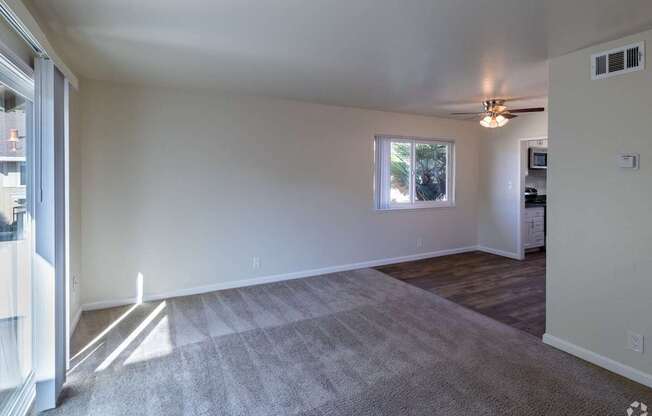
355,343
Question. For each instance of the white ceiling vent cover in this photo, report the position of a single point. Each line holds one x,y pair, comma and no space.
618,61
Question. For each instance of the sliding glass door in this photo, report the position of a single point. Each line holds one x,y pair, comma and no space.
16,248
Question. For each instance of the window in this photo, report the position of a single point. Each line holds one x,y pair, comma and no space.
413,173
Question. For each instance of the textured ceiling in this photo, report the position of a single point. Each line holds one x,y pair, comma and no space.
415,56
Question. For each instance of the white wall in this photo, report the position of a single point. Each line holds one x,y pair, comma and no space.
186,187
499,181
600,233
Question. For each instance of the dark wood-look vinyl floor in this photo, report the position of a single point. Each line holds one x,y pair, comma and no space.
510,291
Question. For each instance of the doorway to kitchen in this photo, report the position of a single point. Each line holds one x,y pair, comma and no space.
533,201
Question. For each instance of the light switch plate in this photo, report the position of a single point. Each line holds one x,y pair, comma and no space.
628,161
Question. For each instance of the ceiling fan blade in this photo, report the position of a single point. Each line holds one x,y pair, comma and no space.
509,115
528,110
465,118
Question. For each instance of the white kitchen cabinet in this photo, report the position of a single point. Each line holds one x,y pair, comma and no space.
534,222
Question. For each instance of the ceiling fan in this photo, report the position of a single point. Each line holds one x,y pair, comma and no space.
496,113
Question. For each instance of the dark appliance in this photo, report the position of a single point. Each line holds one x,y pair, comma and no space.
531,194
538,158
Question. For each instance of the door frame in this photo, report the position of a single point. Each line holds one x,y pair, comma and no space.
520,210
21,83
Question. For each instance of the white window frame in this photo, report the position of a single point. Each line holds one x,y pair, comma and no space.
382,173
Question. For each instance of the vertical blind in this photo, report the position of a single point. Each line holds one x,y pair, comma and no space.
382,171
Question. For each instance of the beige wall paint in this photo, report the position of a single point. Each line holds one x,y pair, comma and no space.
600,233
499,167
186,187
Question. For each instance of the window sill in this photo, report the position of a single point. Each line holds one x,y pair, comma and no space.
415,208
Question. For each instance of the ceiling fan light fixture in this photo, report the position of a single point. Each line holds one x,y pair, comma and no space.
501,120
494,121
486,122
490,122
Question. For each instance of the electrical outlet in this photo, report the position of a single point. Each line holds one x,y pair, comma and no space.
419,242
635,342
255,263
75,282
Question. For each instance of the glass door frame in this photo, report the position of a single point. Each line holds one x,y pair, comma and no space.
22,84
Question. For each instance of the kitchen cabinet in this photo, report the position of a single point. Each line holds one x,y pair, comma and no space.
534,222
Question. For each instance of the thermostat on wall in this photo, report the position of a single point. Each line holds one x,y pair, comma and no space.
628,160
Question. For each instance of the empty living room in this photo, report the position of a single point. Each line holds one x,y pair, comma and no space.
362,207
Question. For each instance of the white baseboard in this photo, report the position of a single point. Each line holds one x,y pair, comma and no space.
501,253
75,320
599,360
275,278
112,303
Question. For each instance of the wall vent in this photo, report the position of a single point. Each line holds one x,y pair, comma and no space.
618,61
